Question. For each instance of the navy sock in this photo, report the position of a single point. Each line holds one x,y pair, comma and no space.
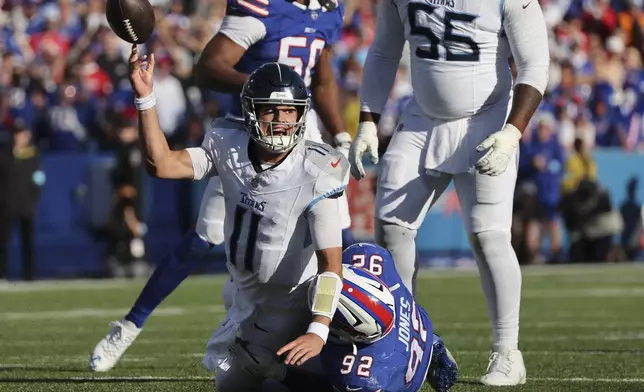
347,238
175,267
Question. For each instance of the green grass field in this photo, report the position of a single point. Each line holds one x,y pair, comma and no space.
582,329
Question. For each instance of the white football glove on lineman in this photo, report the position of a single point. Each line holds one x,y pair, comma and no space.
342,142
502,146
366,140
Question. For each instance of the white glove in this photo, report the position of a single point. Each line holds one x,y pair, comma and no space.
366,140
502,146
342,142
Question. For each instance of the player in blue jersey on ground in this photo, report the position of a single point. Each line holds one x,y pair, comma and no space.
406,357
380,339
254,32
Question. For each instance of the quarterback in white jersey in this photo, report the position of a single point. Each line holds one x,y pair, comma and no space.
284,32
283,236
463,124
296,33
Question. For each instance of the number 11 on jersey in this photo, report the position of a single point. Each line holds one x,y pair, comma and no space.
252,226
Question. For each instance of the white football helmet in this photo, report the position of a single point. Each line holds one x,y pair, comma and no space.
366,311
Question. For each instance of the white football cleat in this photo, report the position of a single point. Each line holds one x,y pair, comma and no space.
109,350
505,369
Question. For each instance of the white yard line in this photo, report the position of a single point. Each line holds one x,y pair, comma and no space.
219,279
83,313
145,342
209,378
574,379
559,338
73,358
541,270
37,360
580,353
97,284
107,378
602,292
447,326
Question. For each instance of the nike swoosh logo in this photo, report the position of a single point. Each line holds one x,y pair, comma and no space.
349,389
526,5
336,163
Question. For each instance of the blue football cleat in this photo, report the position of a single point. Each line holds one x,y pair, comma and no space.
443,372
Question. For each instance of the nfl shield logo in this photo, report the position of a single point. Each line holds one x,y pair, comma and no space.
314,15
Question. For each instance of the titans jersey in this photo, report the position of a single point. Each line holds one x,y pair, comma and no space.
459,53
268,238
281,31
399,361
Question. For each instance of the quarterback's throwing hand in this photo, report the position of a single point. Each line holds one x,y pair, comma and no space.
141,71
501,146
366,140
302,349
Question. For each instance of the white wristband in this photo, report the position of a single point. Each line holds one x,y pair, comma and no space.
145,103
342,138
319,329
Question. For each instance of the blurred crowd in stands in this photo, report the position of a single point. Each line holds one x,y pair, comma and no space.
63,77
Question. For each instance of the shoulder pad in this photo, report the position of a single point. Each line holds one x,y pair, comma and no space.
332,168
224,130
256,8
226,123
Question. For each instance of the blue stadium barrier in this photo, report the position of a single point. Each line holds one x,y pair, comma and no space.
77,197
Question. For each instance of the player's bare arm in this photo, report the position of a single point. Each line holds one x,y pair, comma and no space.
324,222
525,103
378,78
162,162
216,66
324,89
528,36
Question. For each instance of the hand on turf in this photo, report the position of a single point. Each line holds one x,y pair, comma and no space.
302,349
141,71
500,146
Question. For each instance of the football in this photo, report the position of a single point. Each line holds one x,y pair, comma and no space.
132,20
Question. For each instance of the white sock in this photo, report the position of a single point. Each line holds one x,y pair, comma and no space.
501,282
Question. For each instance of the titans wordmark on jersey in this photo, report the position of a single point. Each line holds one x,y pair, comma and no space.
398,362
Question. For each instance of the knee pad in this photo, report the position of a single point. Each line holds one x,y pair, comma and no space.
390,233
491,245
401,243
253,361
